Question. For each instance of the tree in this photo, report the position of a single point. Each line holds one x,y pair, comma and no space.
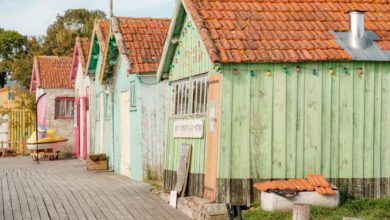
12,46
22,67
61,34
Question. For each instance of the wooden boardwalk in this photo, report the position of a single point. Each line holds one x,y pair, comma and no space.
65,190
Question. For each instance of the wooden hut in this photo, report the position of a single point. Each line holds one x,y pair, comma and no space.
292,88
50,75
102,133
16,124
83,90
139,103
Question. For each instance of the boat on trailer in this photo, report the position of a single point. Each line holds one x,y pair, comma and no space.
46,148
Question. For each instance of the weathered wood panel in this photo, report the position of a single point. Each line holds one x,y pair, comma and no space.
190,57
285,124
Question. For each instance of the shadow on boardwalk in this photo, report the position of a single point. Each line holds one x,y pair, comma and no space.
63,189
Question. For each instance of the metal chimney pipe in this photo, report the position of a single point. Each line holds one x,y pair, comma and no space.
357,32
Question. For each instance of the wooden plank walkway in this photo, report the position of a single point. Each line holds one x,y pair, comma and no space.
63,189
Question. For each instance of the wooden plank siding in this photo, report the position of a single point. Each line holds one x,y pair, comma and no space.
21,122
190,59
290,124
21,126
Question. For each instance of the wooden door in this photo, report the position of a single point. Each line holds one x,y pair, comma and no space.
214,92
125,133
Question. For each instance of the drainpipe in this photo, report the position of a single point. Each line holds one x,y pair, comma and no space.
357,32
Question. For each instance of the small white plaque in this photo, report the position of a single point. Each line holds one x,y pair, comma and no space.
191,128
173,198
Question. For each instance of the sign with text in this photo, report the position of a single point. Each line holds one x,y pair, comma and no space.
192,128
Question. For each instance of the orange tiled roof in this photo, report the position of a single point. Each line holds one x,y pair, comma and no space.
282,30
144,39
85,43
314,182
53,71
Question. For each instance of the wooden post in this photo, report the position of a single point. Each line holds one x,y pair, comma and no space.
301,211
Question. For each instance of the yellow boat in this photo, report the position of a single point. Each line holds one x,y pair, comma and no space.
49,146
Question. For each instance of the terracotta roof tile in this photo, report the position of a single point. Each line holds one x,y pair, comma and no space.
279,26
85,44
314,182
144,38
53,72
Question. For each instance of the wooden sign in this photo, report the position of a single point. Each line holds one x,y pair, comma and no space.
183,169
191,128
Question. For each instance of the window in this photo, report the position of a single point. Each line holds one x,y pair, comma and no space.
97,107
11,96
189,97
133,97
199,96
107,106
64,108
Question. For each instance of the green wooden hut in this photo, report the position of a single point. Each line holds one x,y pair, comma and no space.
101,96
129,67
275,90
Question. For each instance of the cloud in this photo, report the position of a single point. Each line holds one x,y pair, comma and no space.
31,17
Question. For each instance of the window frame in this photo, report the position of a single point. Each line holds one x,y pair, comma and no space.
133,96
189,110
56,107
107,105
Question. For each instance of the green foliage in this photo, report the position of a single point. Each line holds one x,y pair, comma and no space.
61,34
358,208
12,46
17,51
22,67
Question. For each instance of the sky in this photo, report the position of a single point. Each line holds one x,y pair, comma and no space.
32,17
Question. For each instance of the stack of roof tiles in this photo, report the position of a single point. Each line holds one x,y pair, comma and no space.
144,39
314,182
282,30
53,72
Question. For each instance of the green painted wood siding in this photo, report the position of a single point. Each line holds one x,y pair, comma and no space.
288,125
173,150
190,57
192,60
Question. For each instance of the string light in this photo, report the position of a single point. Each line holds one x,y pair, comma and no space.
331,71
360,71
235,72
345,70
314,72
269,73
297,69
252,73
285,70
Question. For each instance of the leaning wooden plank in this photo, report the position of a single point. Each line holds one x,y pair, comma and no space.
182,171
